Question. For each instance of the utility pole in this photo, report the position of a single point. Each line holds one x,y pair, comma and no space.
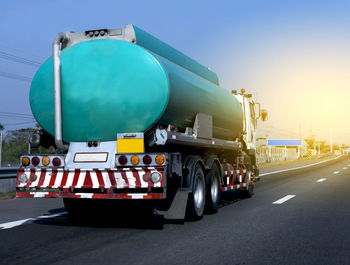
285,152
331,139
0,143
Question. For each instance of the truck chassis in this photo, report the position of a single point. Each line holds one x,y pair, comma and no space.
186,179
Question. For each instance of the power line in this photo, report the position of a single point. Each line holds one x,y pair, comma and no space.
18,59
20,51
15,76
21,123
15,117
15,113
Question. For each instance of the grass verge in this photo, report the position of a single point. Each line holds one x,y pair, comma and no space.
7,195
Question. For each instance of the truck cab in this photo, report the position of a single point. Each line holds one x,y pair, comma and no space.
251,113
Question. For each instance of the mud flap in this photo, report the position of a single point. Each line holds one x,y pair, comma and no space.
177,209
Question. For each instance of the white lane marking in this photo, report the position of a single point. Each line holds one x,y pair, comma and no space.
284,199
336,172
294,168
14,223
320,180
349,165
344,167
28,220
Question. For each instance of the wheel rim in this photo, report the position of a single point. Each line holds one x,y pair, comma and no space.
214,189
199,193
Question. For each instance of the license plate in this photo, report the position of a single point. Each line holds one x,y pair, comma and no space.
130,145
90,157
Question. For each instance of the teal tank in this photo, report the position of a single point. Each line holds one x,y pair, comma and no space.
113,86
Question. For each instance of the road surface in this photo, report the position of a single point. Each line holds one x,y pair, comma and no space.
299,216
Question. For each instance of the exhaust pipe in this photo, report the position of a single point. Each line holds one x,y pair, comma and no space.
57,90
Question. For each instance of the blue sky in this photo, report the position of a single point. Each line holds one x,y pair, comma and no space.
293,55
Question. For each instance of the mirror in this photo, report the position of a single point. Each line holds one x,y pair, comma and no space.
41,138
34,139
264,115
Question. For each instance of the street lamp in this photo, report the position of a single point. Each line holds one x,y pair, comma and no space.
331,139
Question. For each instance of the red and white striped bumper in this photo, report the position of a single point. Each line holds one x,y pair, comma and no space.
121,183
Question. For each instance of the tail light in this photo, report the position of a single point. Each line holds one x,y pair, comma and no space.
140,159
123,160
147,159
35,161
56,162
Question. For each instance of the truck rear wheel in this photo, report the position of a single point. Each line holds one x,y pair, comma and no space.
77,208
196,199
213,190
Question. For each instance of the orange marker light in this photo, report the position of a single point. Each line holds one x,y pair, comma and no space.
159,159
45,161
135,160
25,161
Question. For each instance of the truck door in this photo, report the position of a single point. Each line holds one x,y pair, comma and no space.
250,124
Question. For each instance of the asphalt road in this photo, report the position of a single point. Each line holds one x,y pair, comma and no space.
311,227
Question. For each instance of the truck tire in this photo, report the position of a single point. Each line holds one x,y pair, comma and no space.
213,190
196,199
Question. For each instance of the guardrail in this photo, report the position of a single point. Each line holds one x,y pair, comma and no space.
8,172
8,179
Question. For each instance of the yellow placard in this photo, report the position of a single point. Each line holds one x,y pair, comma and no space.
130,145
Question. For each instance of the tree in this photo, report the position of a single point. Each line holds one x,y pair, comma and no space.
310,141
16,144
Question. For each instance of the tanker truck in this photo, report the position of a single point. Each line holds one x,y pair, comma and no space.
133,119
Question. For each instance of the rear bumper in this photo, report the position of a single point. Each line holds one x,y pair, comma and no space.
121,183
